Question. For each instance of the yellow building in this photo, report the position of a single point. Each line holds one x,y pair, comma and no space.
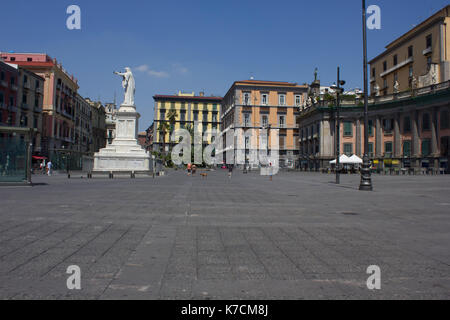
189,109
418,58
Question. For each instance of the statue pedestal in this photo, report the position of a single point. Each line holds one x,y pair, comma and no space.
124,153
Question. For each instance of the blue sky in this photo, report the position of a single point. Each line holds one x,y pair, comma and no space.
204,45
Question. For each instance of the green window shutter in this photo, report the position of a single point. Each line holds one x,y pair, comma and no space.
348,148
348,129
407,148
425,148
388,147
371,127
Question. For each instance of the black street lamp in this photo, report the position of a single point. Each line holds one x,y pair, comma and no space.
338,90
366,180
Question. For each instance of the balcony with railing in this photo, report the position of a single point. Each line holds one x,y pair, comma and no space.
25,106
377,100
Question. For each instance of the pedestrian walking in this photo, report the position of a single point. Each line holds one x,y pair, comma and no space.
189,168
194,169
49,168
270,171
230,170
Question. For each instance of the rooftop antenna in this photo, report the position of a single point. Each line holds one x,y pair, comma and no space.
251,76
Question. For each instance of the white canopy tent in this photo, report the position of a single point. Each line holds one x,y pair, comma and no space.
342,160
354,159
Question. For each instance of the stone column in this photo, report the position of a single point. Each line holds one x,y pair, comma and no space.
397,137
435,137
358,151
415,137
378,138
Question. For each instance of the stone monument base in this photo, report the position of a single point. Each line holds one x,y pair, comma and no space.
124,153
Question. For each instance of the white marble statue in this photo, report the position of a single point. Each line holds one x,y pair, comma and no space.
377,90
129,85
414,82
396,87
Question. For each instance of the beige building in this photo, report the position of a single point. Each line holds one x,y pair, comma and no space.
418,58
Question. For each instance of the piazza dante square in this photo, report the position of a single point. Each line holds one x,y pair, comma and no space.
225,159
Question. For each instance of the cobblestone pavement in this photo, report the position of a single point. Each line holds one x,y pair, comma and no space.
177,237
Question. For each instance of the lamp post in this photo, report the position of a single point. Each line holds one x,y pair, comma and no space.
338,90
366,180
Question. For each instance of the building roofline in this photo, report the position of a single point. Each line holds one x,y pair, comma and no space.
159,97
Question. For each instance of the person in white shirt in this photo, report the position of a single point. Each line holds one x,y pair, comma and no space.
49,168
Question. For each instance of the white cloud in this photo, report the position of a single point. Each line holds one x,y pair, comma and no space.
153,73
180,69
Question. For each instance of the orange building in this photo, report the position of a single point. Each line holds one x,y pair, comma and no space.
258,105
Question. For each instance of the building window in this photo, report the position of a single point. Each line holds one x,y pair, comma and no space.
348,149
246,119
2,76
407,148
373,73
370,151
384,66
387,126
182,115
205,116
444,119
247,98
214,117
426,147
385,83
426,122
370,127
395,60
282,121
406,124
264,99
348,129
395,77
162,115
388,148
282,99
264,121
195,115
429,61
429,41
298,100
410,51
